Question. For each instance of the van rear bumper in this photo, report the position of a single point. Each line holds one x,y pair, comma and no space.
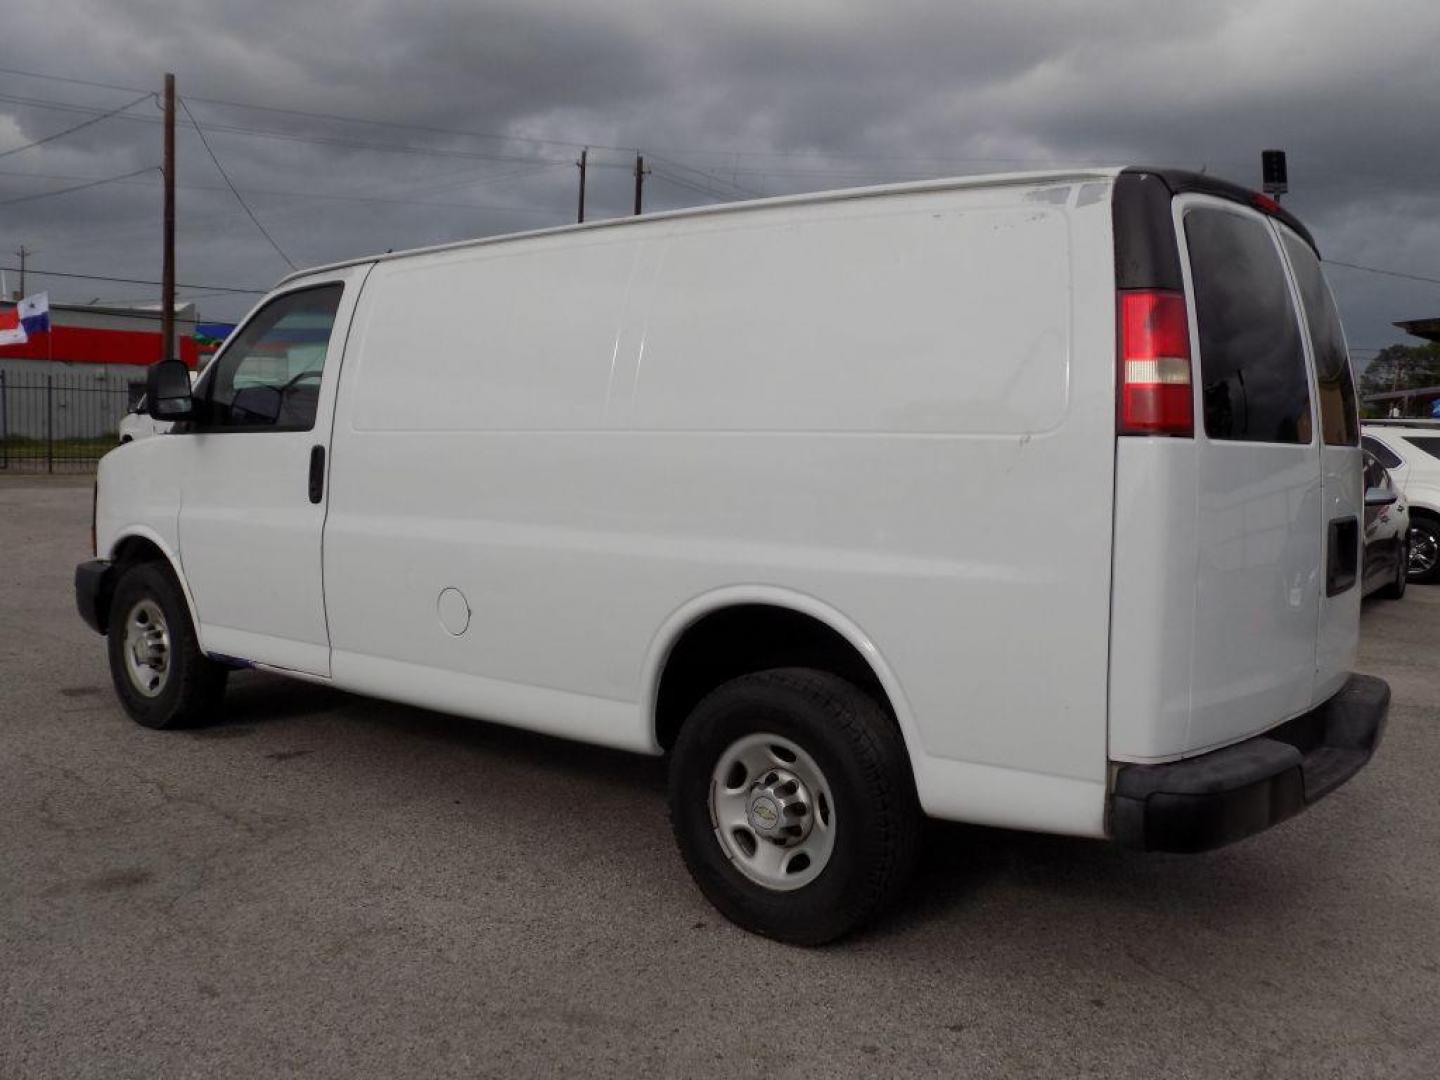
1217,798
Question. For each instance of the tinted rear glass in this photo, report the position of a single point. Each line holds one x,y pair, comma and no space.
1430,444
1252,363
1339,421
1386,456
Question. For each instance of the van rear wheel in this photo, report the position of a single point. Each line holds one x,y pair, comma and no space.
793,804
160,675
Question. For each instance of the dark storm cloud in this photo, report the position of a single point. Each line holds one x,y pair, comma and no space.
728,97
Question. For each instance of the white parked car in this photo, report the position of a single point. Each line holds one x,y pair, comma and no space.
139,424
1410,451
1028,500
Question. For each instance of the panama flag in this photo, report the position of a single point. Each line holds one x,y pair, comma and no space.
30,316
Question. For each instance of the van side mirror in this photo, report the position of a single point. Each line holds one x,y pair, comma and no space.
167,391
1379,496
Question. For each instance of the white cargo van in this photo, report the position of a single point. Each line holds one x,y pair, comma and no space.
1028,500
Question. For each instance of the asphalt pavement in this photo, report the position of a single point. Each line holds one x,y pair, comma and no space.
328,885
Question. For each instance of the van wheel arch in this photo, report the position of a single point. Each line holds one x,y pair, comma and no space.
136,548
744,638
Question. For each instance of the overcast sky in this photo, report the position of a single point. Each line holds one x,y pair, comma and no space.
726,99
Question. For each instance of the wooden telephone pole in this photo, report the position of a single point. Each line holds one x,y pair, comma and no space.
639,179
167,274
584,157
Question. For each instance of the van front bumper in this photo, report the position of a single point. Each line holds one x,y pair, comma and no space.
93,586
1217,798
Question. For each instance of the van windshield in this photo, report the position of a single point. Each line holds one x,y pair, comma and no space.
1252,362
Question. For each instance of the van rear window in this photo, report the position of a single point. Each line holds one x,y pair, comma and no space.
1339,421
1383,453
1252,362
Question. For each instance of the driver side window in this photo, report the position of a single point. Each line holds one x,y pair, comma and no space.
269,375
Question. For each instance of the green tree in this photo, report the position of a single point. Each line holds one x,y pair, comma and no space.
1399,367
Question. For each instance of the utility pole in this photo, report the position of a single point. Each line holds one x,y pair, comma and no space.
24,251
640,171
584,157
167,275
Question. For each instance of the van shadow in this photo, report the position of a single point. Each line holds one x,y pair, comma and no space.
962,868
255,701
257,698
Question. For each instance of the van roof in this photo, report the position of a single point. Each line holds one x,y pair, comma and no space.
1020,179
1177,180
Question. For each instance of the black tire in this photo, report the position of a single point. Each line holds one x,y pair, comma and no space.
193,684
1396,589
1429,528
877,817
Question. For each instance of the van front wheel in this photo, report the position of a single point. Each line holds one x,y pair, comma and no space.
793,804
160,675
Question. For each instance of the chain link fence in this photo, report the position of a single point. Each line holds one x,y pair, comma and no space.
58,423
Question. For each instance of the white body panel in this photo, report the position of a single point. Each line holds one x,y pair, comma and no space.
853,402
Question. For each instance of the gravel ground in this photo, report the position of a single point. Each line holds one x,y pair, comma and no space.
326,885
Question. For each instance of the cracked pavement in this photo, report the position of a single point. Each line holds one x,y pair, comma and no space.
326,885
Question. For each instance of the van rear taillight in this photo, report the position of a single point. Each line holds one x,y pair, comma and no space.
1154,377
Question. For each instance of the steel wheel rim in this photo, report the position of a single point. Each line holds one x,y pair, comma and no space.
147,648
772,811
1424,550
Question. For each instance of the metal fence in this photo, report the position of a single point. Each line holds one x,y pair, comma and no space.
58,423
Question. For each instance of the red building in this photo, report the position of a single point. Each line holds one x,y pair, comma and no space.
112,336
77,379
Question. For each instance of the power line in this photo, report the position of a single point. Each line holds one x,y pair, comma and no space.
309,114
687,185
1378,270
78,187
322,115
66,79
305,194
77,127
574,144
290,136
132,281
570,144
709,176
226,177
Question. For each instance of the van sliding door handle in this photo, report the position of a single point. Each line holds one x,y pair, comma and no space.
317,473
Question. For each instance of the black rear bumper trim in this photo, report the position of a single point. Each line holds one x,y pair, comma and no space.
1217,798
